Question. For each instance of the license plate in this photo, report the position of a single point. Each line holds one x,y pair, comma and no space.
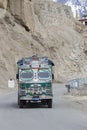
35,99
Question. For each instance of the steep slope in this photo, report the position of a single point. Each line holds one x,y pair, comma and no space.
50,32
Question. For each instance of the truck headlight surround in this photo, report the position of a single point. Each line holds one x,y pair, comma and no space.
48,91
22,91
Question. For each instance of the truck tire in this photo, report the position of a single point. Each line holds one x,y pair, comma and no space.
18,100
50,103
21,104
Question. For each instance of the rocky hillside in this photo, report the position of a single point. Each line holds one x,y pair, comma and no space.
78,6
40,27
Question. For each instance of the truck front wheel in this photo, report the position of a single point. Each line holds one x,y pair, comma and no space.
50,103
21,104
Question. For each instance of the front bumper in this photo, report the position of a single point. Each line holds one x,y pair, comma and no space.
29,98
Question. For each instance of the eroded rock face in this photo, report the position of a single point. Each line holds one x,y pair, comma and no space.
62,42
21,10
3,4
52,33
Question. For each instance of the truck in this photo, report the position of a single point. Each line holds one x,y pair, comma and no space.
35,79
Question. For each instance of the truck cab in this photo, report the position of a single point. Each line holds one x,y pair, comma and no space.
34,78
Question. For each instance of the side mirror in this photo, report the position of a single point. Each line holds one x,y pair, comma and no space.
52,76
17,76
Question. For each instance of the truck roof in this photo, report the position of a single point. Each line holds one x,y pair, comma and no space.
35,62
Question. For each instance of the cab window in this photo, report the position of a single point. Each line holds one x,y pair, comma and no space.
26,75
44,74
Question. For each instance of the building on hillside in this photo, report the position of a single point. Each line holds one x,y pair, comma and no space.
84,19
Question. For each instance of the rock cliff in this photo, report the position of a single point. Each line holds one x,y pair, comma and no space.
40,27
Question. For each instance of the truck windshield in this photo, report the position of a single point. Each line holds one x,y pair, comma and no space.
26,75
44,74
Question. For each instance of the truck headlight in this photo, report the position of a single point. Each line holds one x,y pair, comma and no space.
22,92
48,91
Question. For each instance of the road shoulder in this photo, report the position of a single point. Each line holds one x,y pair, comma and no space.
4,91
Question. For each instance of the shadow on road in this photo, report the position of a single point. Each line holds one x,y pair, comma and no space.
34,105
14,105
8,105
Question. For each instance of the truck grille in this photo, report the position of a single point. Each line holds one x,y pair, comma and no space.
36,90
